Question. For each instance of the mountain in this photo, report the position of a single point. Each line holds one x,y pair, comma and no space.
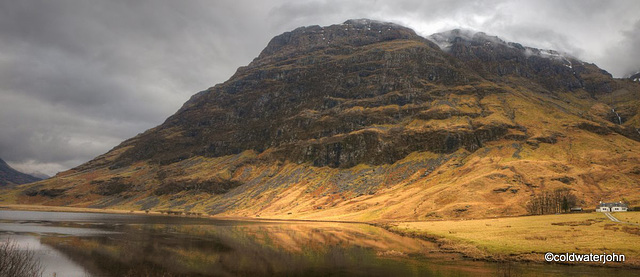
39,175
366,120
10,176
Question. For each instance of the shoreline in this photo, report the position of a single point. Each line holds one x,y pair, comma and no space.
41,208
466,249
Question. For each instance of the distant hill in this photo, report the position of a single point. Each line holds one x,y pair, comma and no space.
39,175
10,176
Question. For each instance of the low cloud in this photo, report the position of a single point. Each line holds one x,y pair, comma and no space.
623,57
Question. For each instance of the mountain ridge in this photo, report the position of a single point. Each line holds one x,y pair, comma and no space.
11,177
367,120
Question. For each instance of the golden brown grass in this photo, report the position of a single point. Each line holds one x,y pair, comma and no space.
495,180
529,237
631,217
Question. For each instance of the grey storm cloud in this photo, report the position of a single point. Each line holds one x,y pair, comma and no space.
623,58
78,77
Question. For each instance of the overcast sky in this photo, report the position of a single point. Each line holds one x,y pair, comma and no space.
78,77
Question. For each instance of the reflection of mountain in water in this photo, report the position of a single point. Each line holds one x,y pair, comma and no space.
125,245
256,249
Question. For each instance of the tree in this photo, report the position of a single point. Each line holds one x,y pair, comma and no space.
558,201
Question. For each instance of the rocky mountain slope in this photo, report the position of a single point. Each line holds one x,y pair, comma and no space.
10,176
368,121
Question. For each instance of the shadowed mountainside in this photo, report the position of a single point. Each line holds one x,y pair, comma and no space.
368,121
10,176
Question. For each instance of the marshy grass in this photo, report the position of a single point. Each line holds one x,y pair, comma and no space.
17,262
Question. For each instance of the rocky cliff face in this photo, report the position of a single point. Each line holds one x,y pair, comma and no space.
491,57
369,120
308,91
10,176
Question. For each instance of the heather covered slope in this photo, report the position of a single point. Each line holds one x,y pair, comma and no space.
368,121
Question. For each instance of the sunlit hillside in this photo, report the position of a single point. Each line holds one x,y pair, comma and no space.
367,121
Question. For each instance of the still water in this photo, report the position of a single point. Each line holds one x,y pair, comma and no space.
91,244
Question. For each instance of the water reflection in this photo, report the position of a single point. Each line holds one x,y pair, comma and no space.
56,264
257,249
43,229
123,245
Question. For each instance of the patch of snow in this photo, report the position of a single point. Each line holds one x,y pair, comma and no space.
567,60
444,40
568,65
551,54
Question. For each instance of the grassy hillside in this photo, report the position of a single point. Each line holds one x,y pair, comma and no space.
368,121
495,180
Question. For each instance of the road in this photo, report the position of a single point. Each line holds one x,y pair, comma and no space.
613,218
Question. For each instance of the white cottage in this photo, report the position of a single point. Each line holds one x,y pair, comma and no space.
612,207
